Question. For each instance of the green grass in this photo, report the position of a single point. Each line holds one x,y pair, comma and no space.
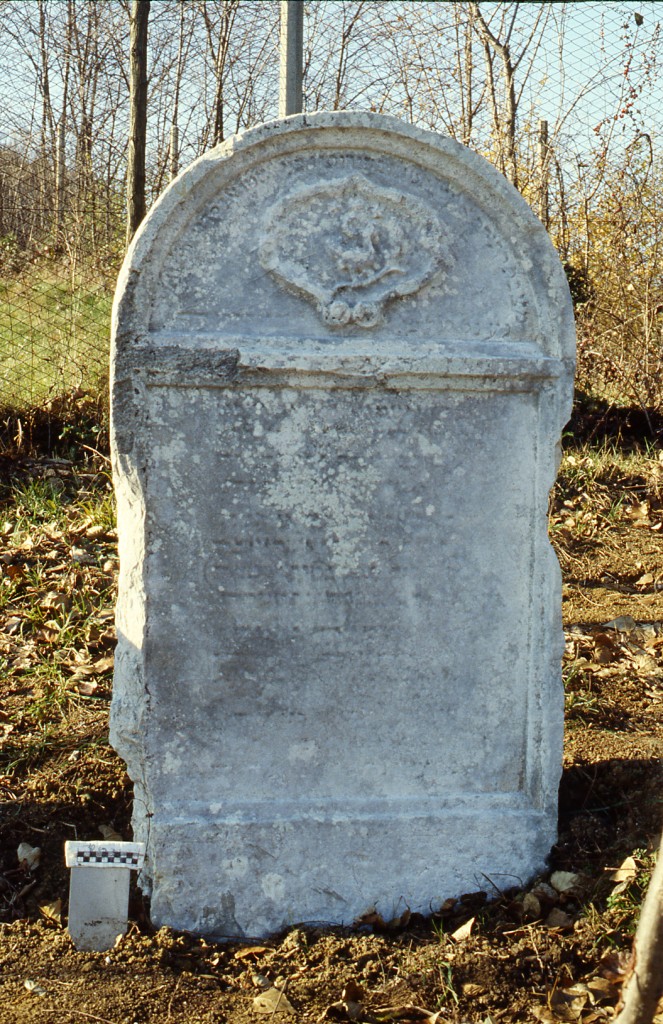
54,334
599,486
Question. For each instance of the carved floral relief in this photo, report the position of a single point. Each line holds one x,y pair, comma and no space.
351,247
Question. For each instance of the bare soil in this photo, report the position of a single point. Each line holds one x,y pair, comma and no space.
547,952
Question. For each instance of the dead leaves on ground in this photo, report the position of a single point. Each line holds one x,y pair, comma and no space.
596,490
59,583
57,579
620,643
595,996
585,1001
620,647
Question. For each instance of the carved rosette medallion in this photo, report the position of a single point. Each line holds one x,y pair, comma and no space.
351,247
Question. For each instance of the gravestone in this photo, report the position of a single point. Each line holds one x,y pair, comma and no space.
342,360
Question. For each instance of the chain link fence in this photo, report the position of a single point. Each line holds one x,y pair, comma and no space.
564,98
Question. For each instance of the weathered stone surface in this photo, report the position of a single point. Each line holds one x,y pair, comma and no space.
343,356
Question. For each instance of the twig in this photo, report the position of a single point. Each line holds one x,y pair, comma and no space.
278,1001
95,452
174,993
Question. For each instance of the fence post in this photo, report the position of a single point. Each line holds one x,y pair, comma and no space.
543,173
292,53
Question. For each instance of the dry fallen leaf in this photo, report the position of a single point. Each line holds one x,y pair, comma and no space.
616,966
464,932
645,663
373,919
52,911
81,556
273,1001
399,923
562,881
55,600
565,1004
601,989
558,919
544,893
605,649
342,1011
86,687
624,875
471,989
353,992
250,952
96,530
28,856
102,665
50,632
108,832
531,906
98,668
349,1006
623,624
543,1014
34,987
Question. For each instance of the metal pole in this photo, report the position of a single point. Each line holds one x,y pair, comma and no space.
138,81
292,57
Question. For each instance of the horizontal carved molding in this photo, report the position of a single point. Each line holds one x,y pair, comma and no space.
172,366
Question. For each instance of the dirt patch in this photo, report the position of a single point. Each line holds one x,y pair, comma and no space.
542,952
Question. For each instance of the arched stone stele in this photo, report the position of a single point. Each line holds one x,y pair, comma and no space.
342,359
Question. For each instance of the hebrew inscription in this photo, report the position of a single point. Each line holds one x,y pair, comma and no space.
351,247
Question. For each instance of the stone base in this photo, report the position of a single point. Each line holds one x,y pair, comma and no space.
272,872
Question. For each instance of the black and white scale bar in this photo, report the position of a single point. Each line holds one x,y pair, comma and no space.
100,854
131,860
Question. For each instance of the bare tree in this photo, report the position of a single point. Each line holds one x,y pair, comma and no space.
218,39
436,80
344,62
498,44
